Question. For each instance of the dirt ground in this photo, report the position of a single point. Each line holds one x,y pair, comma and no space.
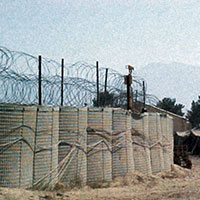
179,184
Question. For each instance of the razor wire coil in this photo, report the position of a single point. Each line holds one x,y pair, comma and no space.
19,81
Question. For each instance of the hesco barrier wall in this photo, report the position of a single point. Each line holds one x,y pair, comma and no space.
72,133
169,143
140,141
95,145
122,152
46,145
167,134
153,143
155,139
28,139
99,159
17,126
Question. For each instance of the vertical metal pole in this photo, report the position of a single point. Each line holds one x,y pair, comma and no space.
97,74
105,88
128,92
62,81
106,79
40,80
144,95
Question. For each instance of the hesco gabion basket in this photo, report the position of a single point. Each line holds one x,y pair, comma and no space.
167,130
72,131
99,159
122,152
46,144
140,139
170,136
155,138
17,137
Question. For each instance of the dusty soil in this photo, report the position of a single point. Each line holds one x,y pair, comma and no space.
179,184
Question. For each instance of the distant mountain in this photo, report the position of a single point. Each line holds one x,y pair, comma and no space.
174,80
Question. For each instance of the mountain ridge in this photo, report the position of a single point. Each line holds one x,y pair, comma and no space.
174,80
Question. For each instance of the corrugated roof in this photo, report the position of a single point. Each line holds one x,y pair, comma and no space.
170,113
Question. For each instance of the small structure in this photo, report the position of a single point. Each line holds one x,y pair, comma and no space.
180,123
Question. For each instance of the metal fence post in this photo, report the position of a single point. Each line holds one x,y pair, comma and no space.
144,95
40,80
97,75
62,81
105,88
128,93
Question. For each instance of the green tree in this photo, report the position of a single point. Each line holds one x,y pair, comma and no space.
111,99
170,105
193,115
106,99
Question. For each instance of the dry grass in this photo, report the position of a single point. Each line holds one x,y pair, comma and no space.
179,184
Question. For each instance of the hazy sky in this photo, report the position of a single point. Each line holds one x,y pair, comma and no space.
114,32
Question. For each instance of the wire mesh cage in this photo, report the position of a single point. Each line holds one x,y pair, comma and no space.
167,144
46,146
122,152
17,126
72,132
99,159
155,138
140,141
